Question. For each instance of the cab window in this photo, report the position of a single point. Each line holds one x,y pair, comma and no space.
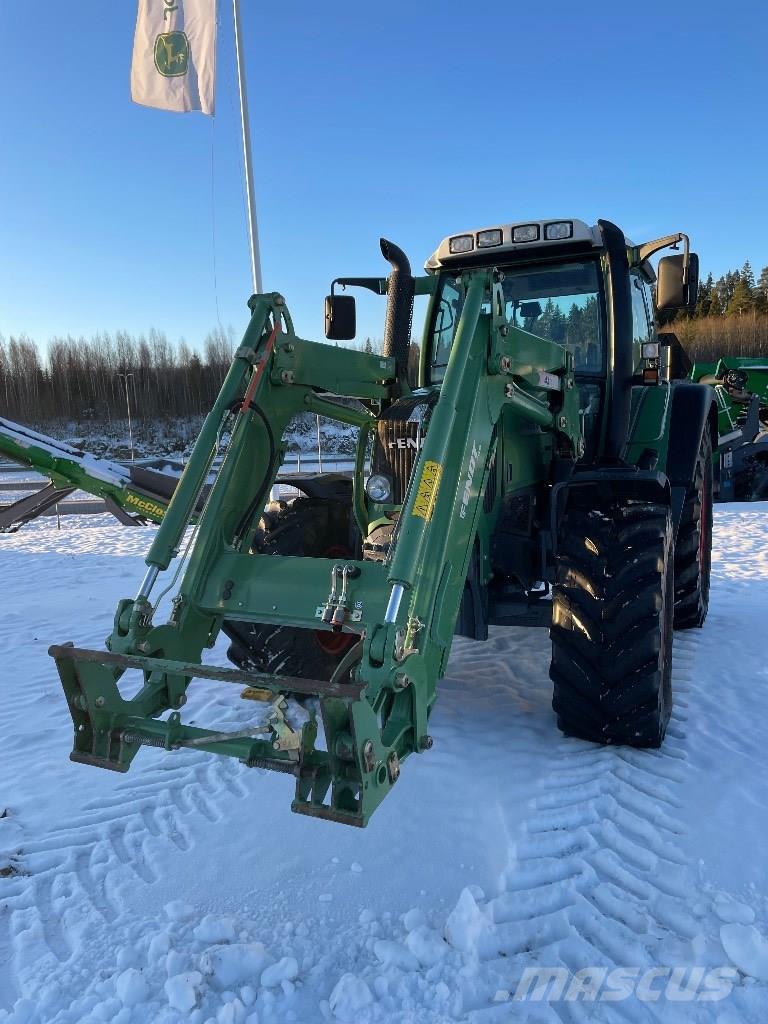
642,325
561,303
448,311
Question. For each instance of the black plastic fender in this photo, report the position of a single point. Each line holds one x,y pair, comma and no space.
601,485
326,486
693,409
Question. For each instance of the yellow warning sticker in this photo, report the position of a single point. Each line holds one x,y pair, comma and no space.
426,495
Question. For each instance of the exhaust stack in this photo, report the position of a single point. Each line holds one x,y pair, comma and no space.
399,316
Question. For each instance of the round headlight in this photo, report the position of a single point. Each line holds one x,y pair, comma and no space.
378,488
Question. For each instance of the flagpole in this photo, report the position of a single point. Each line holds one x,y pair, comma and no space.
253,228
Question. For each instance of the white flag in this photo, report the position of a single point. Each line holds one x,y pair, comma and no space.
174,55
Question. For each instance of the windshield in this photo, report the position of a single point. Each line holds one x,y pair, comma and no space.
560,302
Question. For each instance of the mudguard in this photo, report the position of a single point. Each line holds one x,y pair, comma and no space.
693,407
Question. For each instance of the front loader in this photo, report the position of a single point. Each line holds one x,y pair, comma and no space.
541,471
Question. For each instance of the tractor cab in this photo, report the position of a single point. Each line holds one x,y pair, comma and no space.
561,300
559,283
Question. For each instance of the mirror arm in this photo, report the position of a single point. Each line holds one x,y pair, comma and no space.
378,285
640,253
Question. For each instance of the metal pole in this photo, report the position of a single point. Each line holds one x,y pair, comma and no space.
125,377
319,447
253,228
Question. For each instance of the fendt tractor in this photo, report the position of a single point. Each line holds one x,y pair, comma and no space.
542,471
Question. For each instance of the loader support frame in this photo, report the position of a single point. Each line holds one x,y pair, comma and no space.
375,711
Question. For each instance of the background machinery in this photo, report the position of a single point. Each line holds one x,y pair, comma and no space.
540,471
741,389
133,494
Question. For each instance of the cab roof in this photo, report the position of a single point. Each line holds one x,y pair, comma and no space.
535,236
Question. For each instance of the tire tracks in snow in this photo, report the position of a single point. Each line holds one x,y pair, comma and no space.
69,886
597,878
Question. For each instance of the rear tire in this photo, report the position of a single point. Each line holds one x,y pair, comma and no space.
612,627
693,549
313,528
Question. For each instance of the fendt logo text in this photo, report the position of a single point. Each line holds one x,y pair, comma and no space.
473,458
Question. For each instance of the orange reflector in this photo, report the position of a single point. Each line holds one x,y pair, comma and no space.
650,375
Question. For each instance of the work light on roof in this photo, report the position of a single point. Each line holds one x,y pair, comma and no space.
461,243
525,233
487,239
559,229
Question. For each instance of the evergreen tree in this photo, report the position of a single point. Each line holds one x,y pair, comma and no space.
761,292
747,276
741,300
715,308
704,301
725,287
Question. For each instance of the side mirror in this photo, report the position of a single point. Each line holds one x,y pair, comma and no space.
340,317
671,292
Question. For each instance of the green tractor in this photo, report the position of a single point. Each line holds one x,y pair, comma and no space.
741,390
542,471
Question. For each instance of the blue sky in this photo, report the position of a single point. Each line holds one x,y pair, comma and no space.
411,120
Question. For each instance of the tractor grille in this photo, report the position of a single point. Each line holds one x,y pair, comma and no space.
395,454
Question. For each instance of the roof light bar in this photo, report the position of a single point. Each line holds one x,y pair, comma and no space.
559,229
487,239
525,233
461,243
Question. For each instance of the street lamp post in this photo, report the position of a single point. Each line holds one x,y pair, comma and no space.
125,377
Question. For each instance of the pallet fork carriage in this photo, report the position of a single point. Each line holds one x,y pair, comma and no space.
499,446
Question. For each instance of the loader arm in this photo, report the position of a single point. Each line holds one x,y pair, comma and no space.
374,711
134,494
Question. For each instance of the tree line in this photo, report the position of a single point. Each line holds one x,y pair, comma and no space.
95,379
730,318
83,379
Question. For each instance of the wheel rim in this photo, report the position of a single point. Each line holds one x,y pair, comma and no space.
330,642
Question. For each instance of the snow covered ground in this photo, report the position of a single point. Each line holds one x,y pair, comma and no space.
187,891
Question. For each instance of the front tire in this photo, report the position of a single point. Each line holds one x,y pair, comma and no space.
612,624
693,550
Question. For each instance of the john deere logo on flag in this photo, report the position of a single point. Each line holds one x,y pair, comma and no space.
172,54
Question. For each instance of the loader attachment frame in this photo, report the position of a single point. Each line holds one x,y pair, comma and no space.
375,710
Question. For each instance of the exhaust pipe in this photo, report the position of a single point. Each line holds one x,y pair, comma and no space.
399,317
